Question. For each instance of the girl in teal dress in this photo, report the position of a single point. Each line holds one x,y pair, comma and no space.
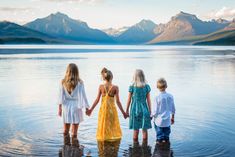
139,98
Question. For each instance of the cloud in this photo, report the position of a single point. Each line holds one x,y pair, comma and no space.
225,12
10,9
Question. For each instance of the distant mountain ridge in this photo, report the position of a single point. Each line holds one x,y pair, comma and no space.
185,25
61,26
231,25
138,33
115,32
222,37
183,28
14,33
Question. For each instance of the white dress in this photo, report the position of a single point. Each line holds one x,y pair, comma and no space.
73,103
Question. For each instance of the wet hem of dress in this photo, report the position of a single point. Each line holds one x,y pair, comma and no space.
140,128
113,139
74,123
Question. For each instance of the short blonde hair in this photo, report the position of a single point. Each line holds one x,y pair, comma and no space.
161,84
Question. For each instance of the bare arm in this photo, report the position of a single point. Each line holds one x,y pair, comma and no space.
119,104
88,112
60,100
149,102
172,118
173,111
128,103
60,110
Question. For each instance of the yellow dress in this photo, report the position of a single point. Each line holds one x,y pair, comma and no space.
108,123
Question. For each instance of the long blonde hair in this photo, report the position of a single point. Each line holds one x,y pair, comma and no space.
71,78
139,78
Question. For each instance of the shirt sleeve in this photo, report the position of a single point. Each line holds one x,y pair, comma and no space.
172,105
154,108
131,89
60,95
83,98
148,88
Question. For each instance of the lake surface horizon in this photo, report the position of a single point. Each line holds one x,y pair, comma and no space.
201,79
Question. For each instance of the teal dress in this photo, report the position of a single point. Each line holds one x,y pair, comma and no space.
139,112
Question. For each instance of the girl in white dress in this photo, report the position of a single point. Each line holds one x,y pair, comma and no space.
72,98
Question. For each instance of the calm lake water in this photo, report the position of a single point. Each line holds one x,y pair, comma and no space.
202,80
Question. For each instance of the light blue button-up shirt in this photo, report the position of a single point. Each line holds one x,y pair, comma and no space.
163,108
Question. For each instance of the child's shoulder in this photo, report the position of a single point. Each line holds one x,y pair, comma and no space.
169,95
101,86
113,86
147,86
163,94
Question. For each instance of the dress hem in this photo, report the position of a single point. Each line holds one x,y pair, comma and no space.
140,128
113,139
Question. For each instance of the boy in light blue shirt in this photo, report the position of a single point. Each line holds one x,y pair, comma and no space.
163,112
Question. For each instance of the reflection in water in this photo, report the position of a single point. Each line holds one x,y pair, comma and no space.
162,150
71,147
138,150
71,151
108,148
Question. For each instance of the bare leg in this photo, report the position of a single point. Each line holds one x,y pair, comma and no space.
66,128
135,135
66,134
74,134
145,135
75,129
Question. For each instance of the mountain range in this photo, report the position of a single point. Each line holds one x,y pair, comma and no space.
58,28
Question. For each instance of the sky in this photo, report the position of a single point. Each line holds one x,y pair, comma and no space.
115,13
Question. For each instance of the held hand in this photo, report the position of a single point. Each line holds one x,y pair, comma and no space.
127,113
87,109
172,121
88,112
60,112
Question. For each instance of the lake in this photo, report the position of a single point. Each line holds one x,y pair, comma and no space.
202,80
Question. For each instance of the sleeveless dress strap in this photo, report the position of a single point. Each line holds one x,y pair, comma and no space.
110,89
105,89
107,92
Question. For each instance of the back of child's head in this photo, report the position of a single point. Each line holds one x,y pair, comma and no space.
106,74
139,78
161,84
71,77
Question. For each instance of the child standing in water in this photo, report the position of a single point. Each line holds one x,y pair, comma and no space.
108,122
163,112
139,98
72,98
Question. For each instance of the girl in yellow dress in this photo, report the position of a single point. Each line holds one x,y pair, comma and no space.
108,122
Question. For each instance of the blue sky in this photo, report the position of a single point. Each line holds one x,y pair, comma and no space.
115,13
